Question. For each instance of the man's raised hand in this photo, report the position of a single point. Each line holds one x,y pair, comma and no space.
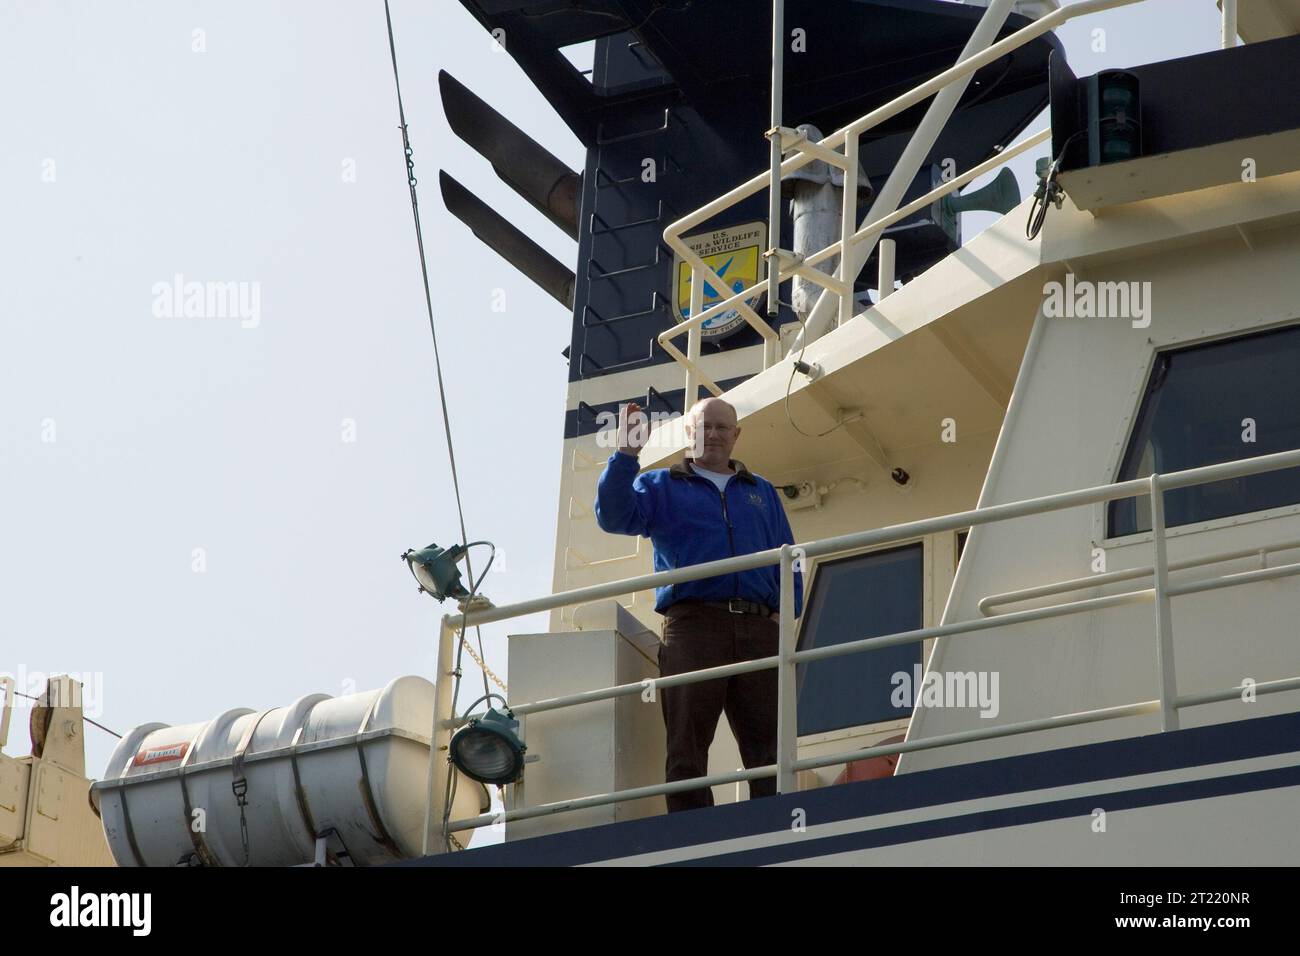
633,429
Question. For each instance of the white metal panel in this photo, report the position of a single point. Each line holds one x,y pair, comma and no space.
1077,390
592,748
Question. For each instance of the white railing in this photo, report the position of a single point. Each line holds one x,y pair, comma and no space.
1103,578
1167,703
854,247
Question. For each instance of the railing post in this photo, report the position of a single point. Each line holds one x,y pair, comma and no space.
1164,615
774,187
693,339
435,840
886,281
787,727
848,217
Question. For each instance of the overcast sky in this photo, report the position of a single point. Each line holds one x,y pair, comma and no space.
202,513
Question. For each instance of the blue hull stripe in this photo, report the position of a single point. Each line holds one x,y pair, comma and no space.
1080,807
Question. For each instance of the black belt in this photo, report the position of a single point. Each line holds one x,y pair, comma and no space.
736,606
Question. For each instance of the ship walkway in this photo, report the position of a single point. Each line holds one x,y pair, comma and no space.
1166,702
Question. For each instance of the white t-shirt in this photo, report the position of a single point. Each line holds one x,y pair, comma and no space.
719,478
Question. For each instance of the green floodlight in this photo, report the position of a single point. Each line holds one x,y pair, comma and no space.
435,570
488,748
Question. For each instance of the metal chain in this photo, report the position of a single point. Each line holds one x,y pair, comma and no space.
479,661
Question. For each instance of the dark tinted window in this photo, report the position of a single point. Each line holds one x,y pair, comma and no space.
1192,415
867,595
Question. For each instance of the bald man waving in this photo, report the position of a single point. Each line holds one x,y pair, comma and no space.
705,508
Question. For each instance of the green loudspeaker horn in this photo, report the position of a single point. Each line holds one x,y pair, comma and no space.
1000,196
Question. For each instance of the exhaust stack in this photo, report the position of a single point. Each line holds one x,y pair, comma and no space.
523,163
509,242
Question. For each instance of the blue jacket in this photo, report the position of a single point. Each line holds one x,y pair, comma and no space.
689,522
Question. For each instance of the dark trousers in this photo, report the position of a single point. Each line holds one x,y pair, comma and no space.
697,636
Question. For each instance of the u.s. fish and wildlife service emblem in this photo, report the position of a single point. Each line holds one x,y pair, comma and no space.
735,254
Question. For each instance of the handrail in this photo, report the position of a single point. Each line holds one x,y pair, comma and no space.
1137,709
1101,579
1140,708
804,267
788,657
855,245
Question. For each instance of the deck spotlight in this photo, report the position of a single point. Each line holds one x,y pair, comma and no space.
488,748
435,570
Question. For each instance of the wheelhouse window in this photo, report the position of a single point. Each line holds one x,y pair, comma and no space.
866,595
1222,401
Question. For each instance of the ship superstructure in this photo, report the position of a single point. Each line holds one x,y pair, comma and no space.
1130,331
1045,481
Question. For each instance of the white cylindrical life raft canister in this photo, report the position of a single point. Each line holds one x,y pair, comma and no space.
259,789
